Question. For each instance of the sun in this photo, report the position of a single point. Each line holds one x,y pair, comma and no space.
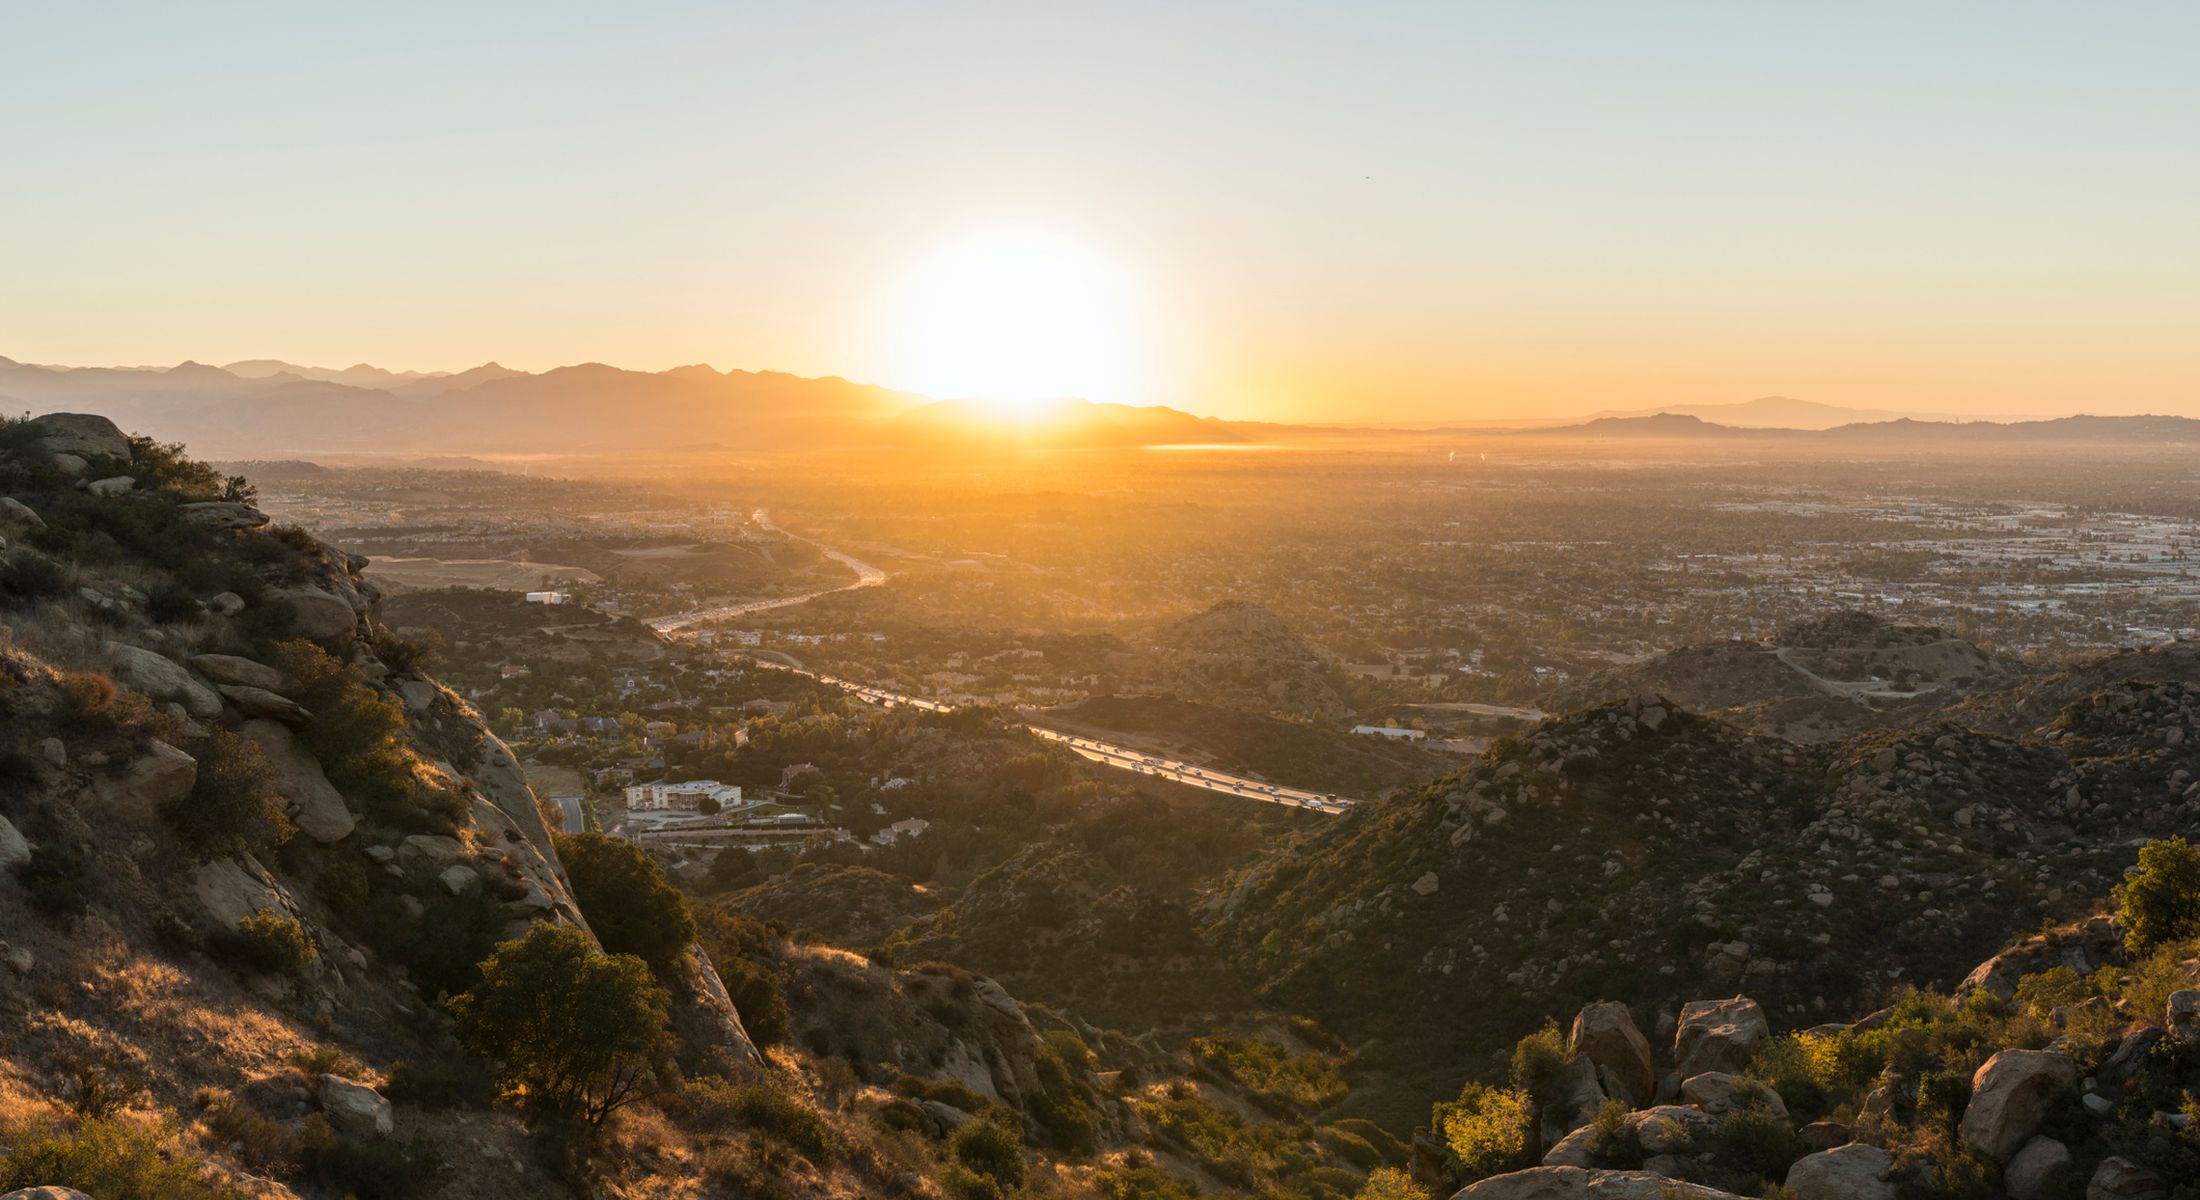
1017,319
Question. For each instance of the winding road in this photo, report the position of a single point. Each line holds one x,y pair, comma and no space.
1104,753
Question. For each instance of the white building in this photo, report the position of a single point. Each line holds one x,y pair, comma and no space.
1392,732
685,797
549,598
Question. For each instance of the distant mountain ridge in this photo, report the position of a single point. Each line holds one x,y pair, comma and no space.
1782,412
2149,429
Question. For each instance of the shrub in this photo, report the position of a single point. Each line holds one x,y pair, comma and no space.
759,999
1147,1182
170,602
788,1120
1390,1183
233,805
1538,1056
344,886
1761,1143
358,735
626,898
993,1146
106,1159
28,578
2160,900
54,877
444,949
568,1026
1486,1128
444,1081
18,773
363,1170
274,942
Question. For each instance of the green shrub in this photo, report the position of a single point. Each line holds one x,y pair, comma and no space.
233,805
29,578
993,1146
1486,1128
103,1158
439,1082
2160,900
787,1119
1538,1056
344,886
364,1170
1146,1182
274,942
1390,1183
758,997
170,602
962,1183
1760,1143
628,901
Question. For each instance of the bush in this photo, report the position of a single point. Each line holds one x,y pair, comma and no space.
759,999
1538,1056
363,1170
445,1081
568,1026
993,1146
1761,1143
233,806
170,602
54,877
626,898
344,886
274,942
28,578
444,949
1486,1128
788,1120
2160,900
1390,1183
106,1159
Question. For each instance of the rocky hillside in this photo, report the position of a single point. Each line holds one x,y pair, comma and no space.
1239,655
1639,850
1817,680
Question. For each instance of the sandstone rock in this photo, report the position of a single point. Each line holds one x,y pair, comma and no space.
1576,1183
316,805
243,672
232,889
1717,1035
2122,1179
54,751
321,614
2033,1171
1426,885
160,678
71,465
259,702
1671,1129
19,958
1573,1150
2009,1094
51,1191
1569,1098
459,879
431,849
113,485
85,434
354,1107
1825,1135
1605,1033
418,694
1852,1172
2183,1013
1719,1093
162,775
227,604
223,514
14,847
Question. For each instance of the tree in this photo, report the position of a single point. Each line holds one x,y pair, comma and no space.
626,898
569,1027
2160,900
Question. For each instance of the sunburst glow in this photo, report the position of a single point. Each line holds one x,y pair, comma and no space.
1017,319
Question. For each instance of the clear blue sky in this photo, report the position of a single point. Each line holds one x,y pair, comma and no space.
1402,211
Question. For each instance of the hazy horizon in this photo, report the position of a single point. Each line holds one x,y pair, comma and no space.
1411,213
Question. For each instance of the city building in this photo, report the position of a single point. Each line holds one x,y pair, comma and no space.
684,797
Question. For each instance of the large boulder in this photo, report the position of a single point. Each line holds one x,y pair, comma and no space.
50,1191
316,805
232,889
244,672
259,702
2182,1013
160,776
1718,1035
2122,1179
321,614
1672,1128
113,485
355,1108
14,848
223,514
86,435
1569,1098
1605,1034
1578,1183
1852,1172
160,678
2009,1095
18,517
2035,1171
1719,1093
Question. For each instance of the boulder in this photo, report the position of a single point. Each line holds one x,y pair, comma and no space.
430,848
1718,1035
2033,1173
232,889
71,465
243,672
1852,1172
161,678
2122,1179
161,775
2182,1014
315,804
85,434
355,1108
1719,1093
459,879
50,1191
1577,1183
1605,1034
321,614
223,514
1569,1098
1825,1135
226,604
113,485
259,702
1671,1128
2009,1095
18,517
14,847
1576,1149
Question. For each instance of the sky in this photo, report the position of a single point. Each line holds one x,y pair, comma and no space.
1344,212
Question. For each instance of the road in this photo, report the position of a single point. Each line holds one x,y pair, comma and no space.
866,576
1119,757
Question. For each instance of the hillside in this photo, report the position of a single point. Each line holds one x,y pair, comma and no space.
1237,654
1638,850
1815,680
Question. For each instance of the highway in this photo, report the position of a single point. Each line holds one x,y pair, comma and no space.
1120,757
